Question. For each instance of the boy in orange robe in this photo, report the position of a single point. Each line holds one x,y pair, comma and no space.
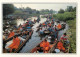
15,44
60,46
11,34
59,26
45,45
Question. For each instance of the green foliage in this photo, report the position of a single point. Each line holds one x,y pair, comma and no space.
18,12
61,11
7,9
70,9
46,11
65,16
70,17
72,36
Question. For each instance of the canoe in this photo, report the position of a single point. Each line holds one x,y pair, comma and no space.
8,39
66,46
20,46
46,32
27,38
52,47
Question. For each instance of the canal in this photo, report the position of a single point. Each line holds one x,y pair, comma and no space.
35,39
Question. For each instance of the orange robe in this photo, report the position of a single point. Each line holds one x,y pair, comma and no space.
45,45
49,24
15,44
59,26
43,24
60,46
11,34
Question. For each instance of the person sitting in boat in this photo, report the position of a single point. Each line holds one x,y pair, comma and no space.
23,35
49,24
28,27
55,27
34,20
59,26
50,29
30,22
41,31
11,34
39,49
40,25
45,45
60,46
64,37
52,22
15,44
56,34
44,28
23,25
43,24
20,28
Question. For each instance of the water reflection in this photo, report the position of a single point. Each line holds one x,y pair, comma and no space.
35,39
21,21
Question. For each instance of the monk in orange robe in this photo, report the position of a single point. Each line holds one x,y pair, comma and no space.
15,44
11,34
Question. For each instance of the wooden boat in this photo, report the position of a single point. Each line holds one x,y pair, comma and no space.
21,45
52,47
46,32
66,46
38,28
8,39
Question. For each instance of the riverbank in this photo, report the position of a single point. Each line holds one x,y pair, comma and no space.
72,35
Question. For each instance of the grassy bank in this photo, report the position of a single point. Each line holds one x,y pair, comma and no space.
72,35
70,19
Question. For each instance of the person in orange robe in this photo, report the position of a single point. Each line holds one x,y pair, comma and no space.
43,24
59,26
49,24
15,44
11,34
45,45
60,46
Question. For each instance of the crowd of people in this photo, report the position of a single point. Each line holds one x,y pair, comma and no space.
52,28
19,34
49,27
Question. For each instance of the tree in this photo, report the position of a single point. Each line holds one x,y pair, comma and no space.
51,11
29,10
7,9
61,11
70,9
37,12
74,9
